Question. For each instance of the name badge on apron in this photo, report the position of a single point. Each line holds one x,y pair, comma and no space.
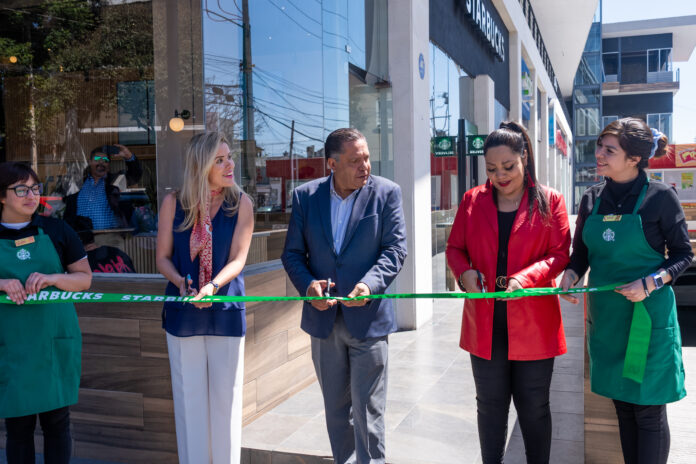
24,241
612,218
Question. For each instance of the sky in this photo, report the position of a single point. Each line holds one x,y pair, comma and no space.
684,116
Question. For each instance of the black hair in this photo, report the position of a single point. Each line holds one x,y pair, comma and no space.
12,172
514,136
333,146
636,139
83,226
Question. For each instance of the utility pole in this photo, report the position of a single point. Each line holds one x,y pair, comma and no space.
248,142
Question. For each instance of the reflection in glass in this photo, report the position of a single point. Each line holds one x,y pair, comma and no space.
279,77
83,78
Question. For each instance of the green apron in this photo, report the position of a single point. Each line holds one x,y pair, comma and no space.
619,252
40,345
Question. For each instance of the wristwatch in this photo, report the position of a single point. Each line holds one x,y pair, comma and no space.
658,280
216,287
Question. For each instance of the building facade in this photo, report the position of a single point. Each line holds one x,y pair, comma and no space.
276,78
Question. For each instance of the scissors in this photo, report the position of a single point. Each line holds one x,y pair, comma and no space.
482,281
327,292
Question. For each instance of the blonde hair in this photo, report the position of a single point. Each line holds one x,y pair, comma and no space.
200,157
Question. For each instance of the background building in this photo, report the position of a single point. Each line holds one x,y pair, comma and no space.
626,70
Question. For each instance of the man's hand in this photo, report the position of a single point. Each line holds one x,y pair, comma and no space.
14,289
568,280
318,288
360,290
124,153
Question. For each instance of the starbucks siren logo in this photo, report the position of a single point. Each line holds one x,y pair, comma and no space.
23,254
444,144
477,143
608,235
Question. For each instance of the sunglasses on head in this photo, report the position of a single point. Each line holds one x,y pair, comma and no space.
102,158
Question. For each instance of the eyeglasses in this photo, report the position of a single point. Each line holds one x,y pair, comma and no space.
23,190
102,158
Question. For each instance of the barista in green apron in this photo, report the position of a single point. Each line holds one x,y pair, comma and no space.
633,338
40,345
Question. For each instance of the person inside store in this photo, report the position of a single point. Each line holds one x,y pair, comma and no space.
509,234
102,259
632,231
202,244
98,199
40,345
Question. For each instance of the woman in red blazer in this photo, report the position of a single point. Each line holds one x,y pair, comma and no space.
511,233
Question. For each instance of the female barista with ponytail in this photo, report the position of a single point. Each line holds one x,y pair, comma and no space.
511,233
40,345
625,226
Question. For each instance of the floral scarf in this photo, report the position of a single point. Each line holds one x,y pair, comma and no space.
201,243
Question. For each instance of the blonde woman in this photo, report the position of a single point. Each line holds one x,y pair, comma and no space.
202,244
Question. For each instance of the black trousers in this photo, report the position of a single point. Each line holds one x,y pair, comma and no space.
56,431
644,432
528,384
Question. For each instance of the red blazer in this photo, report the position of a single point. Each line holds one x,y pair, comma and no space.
537,254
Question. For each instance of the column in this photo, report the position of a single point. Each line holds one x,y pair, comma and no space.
408,57
543,154
484,114
515,60
533,121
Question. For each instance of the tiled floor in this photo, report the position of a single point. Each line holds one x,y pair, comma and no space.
431,406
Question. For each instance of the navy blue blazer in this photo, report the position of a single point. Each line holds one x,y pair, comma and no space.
372,252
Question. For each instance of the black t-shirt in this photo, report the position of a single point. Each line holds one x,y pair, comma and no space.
664,223
64,238
505,221
110,259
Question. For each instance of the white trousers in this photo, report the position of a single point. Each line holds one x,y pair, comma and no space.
207,383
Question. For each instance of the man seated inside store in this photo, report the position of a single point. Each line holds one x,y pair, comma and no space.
98,199
106,259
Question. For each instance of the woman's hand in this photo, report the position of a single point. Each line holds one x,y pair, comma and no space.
470,281
634,291
14,290
512,285
37,282
207,290
185,288
568,280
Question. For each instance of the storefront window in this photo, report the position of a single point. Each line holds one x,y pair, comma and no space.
77,104
278,80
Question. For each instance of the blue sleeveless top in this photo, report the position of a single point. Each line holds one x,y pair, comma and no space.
184,319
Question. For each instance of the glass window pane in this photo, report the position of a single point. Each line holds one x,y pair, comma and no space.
585,151
666,59
611,63
316,67
76,115
586,95
666,125
653,120
653,60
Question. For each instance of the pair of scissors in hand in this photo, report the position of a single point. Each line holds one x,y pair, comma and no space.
482,281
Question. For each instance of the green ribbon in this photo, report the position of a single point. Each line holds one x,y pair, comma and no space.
56,296
638,344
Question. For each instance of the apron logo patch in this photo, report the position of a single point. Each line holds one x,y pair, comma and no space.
608,235
23,255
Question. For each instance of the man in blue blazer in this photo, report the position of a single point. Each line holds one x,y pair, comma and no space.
348,227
